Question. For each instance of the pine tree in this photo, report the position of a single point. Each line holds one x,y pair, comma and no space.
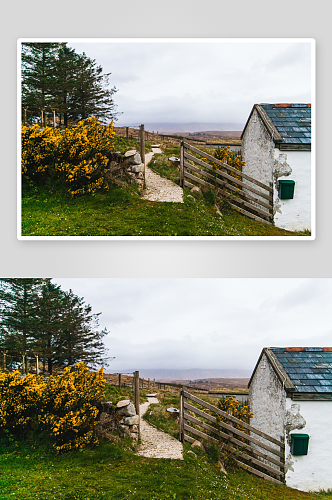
65,71
55,77
80,340
37,317
49,317
38,79
19,299
92,96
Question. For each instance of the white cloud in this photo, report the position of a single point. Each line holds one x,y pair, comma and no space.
205,323
208,82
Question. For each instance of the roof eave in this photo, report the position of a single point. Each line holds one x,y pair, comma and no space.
273,132
280,372
276,137
278,369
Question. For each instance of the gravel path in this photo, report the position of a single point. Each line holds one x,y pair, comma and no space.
158,188
156,443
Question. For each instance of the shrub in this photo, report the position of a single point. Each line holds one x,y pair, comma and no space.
76,157
234,160
39,152
234,407
83,156
20,398
237,410
62,408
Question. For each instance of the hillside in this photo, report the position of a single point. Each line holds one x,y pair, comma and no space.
215,383
233,137
172,128
169,375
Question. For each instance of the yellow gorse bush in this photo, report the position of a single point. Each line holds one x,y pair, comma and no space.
232,159
63,408
77,157
236,409
39,149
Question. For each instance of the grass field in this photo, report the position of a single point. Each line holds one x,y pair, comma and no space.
31,470
122,212
113,472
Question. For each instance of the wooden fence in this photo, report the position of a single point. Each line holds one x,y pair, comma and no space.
254,455
253,199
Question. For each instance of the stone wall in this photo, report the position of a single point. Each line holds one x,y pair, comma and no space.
122,420
128,165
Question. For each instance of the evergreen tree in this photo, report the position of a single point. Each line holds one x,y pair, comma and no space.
37,317
80,340
38,79
92,96
55,77
65,70
19,299
49,316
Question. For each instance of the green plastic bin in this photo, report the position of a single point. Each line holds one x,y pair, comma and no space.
299,444
286,189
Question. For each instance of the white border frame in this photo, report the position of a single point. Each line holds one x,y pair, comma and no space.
312,41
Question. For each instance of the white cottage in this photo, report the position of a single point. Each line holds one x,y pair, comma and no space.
276,146
290,394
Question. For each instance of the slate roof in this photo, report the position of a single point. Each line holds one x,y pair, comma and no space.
289,124
309,368
293,121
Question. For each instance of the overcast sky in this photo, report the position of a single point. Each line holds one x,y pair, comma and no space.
205,323
195,81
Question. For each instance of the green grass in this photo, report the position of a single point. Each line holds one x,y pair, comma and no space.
31,470
113,472
114,394
121,212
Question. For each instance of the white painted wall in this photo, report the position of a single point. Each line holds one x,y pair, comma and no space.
267,400
312,472
259,153
295,214
257,150
278,416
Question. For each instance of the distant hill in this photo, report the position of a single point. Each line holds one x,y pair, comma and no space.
210,384
167,375
172,128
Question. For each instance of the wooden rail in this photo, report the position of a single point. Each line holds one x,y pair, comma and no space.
258,456
247,196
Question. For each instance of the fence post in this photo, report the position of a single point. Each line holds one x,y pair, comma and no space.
136,399
23,362
119,380
4,359
127,132
142,150
272,209
181,415
181,163
282,459
37,363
